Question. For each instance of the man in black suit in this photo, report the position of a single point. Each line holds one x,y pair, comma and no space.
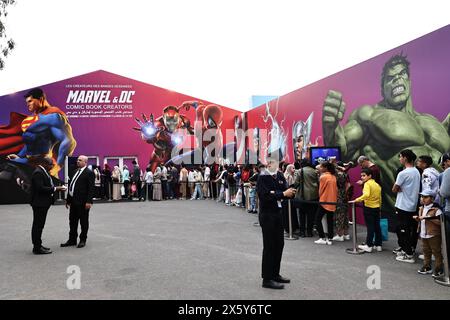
79,199
42,190
272,188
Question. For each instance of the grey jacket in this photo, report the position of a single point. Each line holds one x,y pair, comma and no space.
310,183
445,189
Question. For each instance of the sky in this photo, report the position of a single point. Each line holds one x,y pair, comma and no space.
220,51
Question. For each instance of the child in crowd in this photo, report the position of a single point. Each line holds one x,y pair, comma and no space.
372,204
430,233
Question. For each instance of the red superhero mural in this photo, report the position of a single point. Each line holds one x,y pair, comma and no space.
170,130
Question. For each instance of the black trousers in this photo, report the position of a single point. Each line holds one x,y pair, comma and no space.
372,219
330,223
213,190
138,189
126,185
405,230
273,244
81,214
107,189
165,189
173,189
307,215
149,191
39,217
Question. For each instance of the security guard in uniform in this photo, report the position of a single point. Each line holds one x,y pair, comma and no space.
272,189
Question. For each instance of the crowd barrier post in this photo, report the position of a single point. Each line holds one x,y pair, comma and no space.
290,237
355,249
444,280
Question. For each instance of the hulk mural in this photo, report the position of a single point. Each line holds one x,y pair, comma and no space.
381,131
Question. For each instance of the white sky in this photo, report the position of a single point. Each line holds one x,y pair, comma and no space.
221,51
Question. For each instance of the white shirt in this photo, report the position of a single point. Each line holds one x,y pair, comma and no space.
207,173
74,180
164,173
409,182
191,176
430,181
423,230
149,177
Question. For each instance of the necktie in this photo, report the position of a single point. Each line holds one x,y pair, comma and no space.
74,180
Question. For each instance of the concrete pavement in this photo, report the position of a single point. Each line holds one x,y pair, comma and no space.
188,250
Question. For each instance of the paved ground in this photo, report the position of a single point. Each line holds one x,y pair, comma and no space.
188,250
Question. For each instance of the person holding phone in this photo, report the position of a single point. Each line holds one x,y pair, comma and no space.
272,189
42,191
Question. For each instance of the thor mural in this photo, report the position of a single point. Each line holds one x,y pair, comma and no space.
381,131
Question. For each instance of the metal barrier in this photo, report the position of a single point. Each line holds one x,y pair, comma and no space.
444,280
290,237
355,249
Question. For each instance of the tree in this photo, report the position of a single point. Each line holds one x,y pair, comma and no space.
6,45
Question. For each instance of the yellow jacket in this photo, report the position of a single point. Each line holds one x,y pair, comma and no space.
371,194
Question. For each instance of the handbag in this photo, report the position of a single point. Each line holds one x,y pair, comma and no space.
133,187
384,224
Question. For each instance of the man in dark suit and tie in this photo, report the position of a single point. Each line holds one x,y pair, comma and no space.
272,188
79,199
42,190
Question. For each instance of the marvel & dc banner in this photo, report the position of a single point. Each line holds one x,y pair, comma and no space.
111,119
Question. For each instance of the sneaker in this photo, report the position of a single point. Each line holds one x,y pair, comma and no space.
397,250
346,237
321,241
400,253
406,258
365,248
329,242
422,257
338,238
437,273
425,270
378,248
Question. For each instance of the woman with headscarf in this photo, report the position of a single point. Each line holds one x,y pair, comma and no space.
116,180
157,189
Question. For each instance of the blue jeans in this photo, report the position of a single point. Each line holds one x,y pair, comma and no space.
372,218
252,196
197,191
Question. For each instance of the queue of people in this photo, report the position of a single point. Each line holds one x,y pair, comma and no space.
321,196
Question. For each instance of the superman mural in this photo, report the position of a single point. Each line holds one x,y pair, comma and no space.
26,140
